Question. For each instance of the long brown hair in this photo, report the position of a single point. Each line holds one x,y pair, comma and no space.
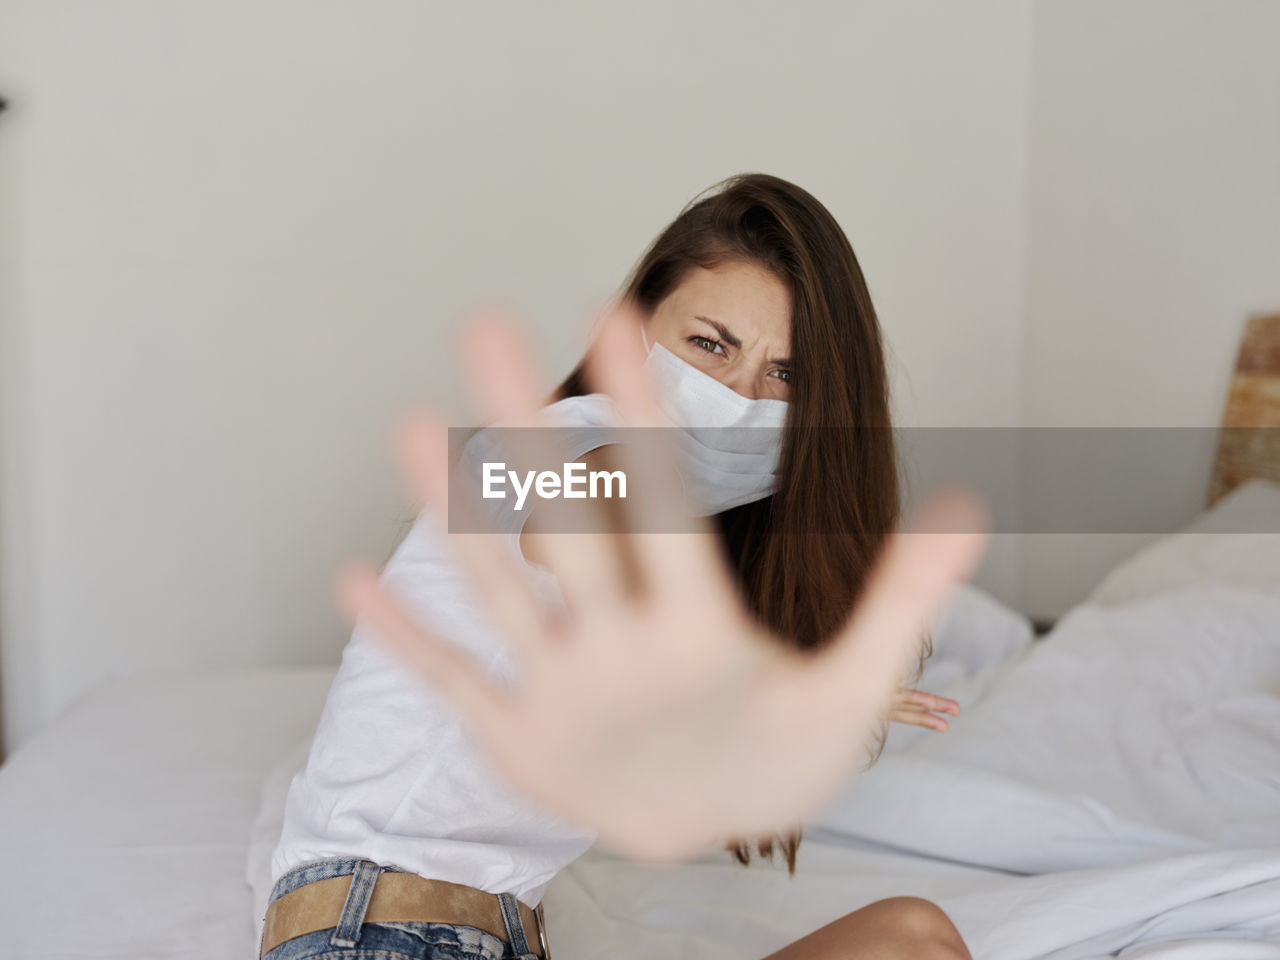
801,555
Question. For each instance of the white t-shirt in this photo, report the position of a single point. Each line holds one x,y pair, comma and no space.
392,775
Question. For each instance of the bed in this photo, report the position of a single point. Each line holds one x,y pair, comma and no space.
1109,790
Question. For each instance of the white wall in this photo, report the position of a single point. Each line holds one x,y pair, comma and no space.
12,582
246,230
1153,230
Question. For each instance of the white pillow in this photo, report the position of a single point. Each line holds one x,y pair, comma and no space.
975,629
1214,548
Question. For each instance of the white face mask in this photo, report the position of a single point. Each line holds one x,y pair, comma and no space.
729,444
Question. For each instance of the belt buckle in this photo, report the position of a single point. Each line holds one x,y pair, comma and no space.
542,931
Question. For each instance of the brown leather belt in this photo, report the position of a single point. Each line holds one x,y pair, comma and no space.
396,898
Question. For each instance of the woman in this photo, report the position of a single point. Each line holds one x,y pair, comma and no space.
399,833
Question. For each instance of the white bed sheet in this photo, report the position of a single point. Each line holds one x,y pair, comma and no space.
124,824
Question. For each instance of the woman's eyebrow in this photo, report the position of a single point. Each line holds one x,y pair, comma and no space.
725,335
734,342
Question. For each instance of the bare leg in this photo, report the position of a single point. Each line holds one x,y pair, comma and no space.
899,928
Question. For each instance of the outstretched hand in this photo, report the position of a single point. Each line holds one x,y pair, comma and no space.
654,709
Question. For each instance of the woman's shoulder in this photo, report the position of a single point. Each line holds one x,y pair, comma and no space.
578,416
594,409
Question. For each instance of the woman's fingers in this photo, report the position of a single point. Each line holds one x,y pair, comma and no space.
676,552
505,385
615,365
422,448
447,670
918,717
917,570
931,701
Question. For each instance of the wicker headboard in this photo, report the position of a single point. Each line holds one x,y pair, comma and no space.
1253,401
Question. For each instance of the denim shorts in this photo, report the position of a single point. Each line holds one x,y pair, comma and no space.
354,939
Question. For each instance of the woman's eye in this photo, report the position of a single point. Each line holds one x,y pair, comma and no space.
783,375
707,344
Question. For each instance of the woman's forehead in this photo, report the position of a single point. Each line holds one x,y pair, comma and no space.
746,298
